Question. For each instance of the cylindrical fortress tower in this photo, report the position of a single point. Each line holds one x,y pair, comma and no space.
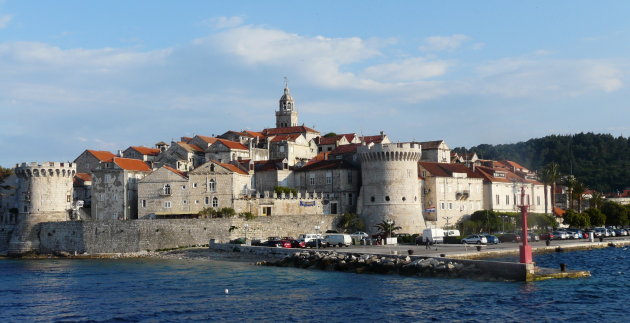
390,187
44,194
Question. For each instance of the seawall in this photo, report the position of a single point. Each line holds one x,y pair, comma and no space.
104,237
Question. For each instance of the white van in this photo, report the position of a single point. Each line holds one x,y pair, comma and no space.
433,236
451,233
309,236
338,239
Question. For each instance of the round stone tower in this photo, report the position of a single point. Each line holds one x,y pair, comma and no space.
390,187
44,194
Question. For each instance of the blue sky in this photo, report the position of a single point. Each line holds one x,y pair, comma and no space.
105,75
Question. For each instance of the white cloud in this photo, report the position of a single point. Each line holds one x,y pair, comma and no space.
225,22
443,43
412,69
5,20
531,77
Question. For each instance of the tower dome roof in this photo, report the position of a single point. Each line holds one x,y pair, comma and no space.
287,95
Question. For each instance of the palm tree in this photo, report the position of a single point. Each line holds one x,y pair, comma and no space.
387,227
578,191
569,182
553,172
596,200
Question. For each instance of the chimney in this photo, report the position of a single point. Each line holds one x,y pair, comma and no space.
382,135
120,153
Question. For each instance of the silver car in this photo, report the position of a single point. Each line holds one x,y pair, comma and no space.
475,239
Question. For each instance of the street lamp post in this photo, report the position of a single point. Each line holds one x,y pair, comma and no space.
389,225
446,218
317,239
246,225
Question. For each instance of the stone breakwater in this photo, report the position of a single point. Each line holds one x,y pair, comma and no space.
385,264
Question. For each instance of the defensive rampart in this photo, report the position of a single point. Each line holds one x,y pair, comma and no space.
102,237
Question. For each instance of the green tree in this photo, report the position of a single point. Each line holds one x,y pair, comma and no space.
577,220
226,212
596,216
350,222
385,229
549,176
596,200
616,214
330,134
569,182
578,193
286,190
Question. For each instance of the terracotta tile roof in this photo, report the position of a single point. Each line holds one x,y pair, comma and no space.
372,139
207,139
131,164
319,157
558,212
430,144
190,147
332,140
180,173
514,165
285,137
345,149
79,179
146,150
184,139
447,169
103,156
327,164
288,130
232,144
230,167
510,177
254,133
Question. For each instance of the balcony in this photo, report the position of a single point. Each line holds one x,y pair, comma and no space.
462,195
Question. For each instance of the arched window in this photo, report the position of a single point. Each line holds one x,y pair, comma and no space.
166,189
212,186
212,167
215,202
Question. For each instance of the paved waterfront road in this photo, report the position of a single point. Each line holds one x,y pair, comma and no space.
454,250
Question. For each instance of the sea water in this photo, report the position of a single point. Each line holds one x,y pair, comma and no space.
156,290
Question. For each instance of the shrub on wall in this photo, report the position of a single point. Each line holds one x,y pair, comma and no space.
286,190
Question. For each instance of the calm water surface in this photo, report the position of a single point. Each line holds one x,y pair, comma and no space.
190,290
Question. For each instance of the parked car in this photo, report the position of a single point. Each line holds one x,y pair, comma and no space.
285,243
309,236
338,239
547,236
560,235
317,243
360,234
298,244
532,237
475,239
510,237
492,239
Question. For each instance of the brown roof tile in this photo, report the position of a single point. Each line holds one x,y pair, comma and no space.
131,164
102,155
232,144
180,173
146,150
288,130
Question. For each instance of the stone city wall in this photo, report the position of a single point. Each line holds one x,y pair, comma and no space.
98,237
5,236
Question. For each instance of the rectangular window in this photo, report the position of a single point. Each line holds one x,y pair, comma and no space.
185,202
144,203
328,177
507,200
167,204
194,185
497,198
442,206
349,177
207,200
311,179
350,199
538,200
450,206
68,198
281,149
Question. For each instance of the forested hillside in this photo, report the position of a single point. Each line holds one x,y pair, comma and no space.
600,161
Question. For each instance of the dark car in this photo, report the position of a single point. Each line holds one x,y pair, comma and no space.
317,243
492,239
273,242
510,237
298,244
547,236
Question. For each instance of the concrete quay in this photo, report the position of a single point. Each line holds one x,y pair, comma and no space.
461,256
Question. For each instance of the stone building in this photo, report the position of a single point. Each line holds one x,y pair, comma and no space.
115,189
337,179
435,151
164,191
294,147
145,154
502,189
90,159
390,187
225,151
271,173
451,192
330,143
43,193
82,185
203,142
287,115
181,156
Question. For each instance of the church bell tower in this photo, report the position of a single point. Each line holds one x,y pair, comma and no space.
286,116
